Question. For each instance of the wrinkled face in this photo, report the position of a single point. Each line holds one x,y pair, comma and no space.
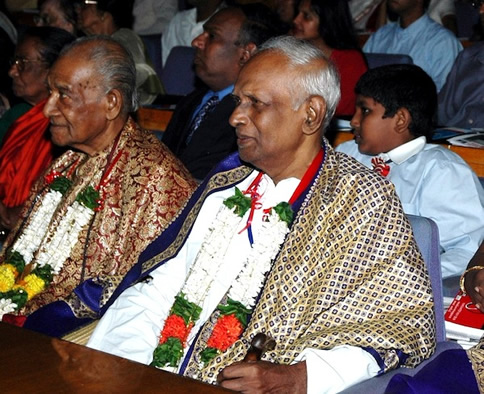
90,19
218,55
269,130
77,103
29,72
306,23
402,6
373,133
51,15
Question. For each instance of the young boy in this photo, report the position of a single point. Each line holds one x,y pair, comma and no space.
395,108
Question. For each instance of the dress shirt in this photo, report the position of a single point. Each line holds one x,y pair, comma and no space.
434,182
131,326
181,31
153,16
431,46
461,100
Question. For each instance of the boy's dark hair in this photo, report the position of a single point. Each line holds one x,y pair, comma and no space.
403,86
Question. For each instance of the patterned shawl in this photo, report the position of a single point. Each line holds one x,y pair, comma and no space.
349,272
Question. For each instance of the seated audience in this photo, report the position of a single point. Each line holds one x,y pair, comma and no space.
395,106
186,25
199,132
114,18
26,150
441,11
99,204
327,24
58,13
461,100
431,46
286,238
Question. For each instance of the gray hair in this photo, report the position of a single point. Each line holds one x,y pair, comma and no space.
310,81
113,64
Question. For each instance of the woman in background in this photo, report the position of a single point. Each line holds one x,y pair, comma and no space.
115,18
27,150
327,24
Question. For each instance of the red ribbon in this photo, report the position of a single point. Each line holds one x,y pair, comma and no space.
303,184
380,166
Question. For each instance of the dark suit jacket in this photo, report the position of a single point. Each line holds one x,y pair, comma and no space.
212,141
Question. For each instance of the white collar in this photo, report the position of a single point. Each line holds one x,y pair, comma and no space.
403,152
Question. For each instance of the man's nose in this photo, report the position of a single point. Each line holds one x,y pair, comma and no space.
199,41
238,116
50,105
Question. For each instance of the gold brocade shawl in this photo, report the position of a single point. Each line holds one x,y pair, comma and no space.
349,272
145,190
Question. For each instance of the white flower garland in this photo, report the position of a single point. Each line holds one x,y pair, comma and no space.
57,249
210,258
34,233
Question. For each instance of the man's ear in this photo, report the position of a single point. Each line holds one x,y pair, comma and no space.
314,111
114,104
402,120
247,52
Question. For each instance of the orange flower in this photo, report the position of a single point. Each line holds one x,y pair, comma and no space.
226,331
175,327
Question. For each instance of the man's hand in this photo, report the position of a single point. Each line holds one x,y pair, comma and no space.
264,377
474,283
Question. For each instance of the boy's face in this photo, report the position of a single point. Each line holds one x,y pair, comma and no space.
374,134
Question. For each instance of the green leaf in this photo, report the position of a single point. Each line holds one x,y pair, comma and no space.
239,201
16,259
236,308
284,210
18,296
45,272
89,197
168,353
189,311
208,354
61,184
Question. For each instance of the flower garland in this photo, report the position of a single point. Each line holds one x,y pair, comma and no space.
242,294
20,279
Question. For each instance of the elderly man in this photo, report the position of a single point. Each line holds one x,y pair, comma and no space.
100,204
199,132
286,238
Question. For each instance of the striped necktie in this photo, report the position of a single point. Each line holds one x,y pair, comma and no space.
202,114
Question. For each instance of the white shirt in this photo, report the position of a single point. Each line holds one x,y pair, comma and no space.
440,8
153,16
434,182
181,31
131,326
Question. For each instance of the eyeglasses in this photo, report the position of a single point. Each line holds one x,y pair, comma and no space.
21,62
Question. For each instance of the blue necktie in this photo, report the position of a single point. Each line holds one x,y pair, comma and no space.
202,114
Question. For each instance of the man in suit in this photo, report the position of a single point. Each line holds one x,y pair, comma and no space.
200,133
